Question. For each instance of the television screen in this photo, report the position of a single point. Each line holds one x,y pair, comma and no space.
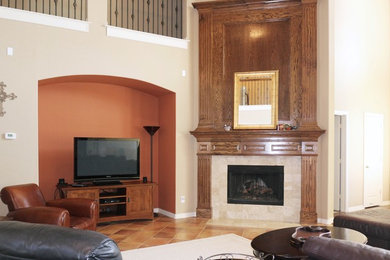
105,158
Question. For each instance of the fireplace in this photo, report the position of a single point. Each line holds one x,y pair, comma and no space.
219,59
288,212
255,184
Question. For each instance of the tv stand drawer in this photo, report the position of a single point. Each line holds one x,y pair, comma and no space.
81,192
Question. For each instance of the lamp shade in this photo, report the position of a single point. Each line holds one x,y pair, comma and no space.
151,129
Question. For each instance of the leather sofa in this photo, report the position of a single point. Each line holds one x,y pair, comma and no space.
21,240
373,223
321,248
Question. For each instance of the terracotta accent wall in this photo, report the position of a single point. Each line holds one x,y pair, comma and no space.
91,109
167,143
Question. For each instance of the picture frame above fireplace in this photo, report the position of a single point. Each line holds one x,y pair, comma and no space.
256,99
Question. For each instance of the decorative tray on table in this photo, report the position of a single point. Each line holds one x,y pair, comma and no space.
302,233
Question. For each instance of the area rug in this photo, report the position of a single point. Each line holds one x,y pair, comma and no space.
192,250
373,214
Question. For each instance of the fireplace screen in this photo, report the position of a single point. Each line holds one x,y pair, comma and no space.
253,184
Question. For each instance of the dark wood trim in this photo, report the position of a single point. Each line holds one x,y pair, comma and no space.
258,148
209,134
246,4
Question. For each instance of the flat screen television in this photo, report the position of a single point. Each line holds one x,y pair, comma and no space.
106,159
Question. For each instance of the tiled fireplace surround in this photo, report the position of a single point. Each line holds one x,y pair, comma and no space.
289,212
295,150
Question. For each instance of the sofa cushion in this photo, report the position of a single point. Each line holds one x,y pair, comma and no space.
374,223
20,240
371,222
321,248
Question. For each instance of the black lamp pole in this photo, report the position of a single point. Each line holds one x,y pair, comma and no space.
151,130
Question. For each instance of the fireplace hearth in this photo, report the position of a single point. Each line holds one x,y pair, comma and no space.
255,184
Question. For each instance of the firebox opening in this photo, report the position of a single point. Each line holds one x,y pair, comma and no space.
255,184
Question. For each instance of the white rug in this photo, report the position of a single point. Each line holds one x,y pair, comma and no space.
191,250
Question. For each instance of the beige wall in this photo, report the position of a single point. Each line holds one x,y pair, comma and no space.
42,52
353,77
362,80
324,111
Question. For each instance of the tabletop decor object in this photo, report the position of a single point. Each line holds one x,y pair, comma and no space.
302,233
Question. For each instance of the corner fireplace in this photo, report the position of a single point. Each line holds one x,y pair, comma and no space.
297,99
288,212
255,184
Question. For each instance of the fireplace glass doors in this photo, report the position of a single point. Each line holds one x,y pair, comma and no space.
253,184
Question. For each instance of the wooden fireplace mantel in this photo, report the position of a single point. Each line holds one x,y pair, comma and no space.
266,142
259,143
211,134
258,35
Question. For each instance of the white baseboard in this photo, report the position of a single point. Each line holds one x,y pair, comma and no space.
175,216
325,221
385,203
355,208
361,207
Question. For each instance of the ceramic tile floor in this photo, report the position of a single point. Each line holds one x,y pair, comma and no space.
163,230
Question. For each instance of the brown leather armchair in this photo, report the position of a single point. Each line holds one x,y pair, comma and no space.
26,203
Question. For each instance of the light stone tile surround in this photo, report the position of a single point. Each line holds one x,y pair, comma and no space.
289,212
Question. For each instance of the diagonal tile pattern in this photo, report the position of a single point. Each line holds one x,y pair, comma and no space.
163,230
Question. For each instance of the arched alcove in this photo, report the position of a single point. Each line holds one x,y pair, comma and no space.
106,106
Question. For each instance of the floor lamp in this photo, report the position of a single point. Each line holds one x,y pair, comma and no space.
151,130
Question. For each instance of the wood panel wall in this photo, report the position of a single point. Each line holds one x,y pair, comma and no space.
242,36
258,35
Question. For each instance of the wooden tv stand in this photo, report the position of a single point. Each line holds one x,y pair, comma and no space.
127,201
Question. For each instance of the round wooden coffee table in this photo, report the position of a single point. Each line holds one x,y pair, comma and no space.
277,242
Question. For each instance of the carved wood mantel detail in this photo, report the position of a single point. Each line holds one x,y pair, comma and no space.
258,35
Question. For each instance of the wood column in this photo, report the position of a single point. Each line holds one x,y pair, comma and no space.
206,102
308,189
204,186
309,65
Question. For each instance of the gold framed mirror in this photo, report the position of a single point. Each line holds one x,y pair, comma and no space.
256,99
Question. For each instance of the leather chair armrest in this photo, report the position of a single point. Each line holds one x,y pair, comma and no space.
43,215
76,206
321,248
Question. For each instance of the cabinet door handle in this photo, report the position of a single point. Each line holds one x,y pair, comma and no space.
128,199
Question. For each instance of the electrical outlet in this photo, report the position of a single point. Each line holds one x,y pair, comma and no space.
182,199
10,51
